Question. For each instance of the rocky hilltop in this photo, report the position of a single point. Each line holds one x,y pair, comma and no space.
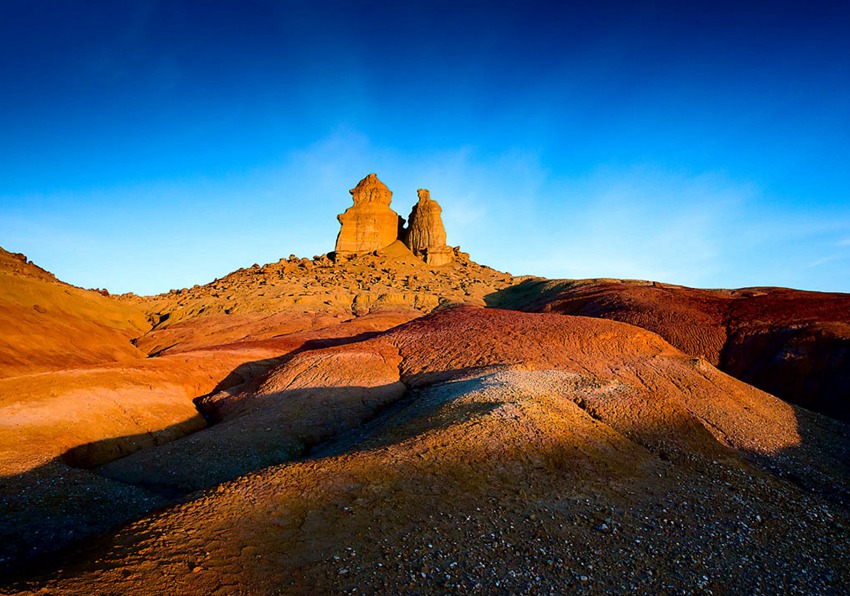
390,279
394,417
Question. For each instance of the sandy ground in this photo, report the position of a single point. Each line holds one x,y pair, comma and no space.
591,456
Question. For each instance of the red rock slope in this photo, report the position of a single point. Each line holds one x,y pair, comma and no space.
532,453
791,343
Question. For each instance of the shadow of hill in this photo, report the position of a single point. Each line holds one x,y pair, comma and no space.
807,364
529,295
97,453
820,464
280,428
55,506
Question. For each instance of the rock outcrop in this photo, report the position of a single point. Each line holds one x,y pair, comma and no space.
369,224
426,236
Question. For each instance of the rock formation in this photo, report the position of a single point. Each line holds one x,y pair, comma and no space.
426,236
369,224
341,409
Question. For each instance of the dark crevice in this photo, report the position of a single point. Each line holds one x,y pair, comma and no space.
160,351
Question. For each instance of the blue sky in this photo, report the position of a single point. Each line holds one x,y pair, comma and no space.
154,145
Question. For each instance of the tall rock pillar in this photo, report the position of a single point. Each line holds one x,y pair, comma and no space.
369,224
426,236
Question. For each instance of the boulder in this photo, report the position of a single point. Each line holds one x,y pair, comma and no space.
369,224
438,255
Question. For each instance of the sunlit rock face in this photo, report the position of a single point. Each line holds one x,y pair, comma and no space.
426,236
369,224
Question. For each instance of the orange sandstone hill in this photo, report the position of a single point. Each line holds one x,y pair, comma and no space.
50,325
385,419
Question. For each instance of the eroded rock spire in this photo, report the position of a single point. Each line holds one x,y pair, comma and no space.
369,224
426,236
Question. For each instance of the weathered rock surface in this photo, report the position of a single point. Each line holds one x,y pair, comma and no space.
791,343
49,325
532,453
425,235
369,224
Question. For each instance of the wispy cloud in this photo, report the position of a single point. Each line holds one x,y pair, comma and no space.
638,223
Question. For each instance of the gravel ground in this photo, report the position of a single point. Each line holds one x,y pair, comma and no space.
417,502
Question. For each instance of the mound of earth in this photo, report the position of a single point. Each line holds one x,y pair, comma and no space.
256,302
791,343
482,450
56,427
49,325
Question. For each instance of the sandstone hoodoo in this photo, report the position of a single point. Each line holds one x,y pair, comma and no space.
369,224
426,236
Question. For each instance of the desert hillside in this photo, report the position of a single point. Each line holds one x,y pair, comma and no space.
474,447
49,325
394,417
259,301
791,343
